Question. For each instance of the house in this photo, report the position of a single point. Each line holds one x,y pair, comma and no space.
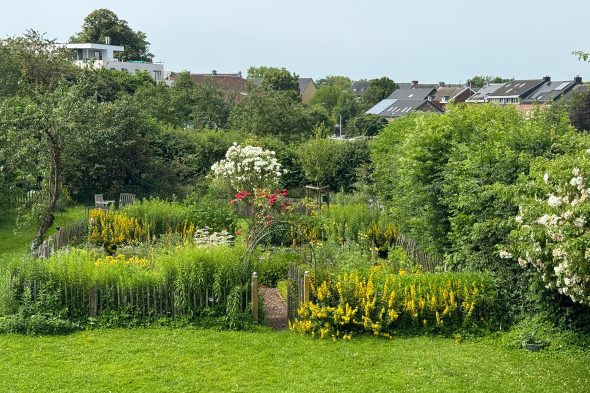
549,91
392,108
102,56
414,93
515,91
481,95
447,93
232,84
307,89
358,88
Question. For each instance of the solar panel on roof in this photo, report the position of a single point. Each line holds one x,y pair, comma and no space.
562,86
381,106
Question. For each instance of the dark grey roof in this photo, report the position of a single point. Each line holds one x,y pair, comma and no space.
359,87
576,90
412,94
549,91
392,107
516,88
404,85
482,94
303,82
449,92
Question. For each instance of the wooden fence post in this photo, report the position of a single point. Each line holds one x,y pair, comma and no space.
93,302
306,287
255,297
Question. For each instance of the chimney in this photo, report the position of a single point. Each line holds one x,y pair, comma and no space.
546,79
107,40
214,72
414,83
578,80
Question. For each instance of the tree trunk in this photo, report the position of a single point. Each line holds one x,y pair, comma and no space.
53,188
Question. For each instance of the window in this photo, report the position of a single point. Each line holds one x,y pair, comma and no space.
125,70
98,55
158,75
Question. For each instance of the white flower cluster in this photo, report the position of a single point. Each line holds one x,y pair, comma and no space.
204,237
558,244
249,167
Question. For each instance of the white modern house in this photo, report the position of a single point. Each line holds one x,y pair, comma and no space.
102,56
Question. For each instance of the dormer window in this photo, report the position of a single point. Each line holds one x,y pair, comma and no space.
445,99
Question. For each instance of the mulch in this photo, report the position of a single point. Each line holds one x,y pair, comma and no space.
275,308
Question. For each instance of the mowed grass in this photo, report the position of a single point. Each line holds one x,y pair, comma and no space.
187,360
19,242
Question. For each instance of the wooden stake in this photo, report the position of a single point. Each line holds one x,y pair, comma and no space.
255,297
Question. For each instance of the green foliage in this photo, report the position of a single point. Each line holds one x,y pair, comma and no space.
184,282
271,113
333,163
365,125
450,182
103,23
171,217
33,63
580,112
480,81
378,90
384,304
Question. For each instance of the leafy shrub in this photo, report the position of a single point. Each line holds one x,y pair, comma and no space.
384,304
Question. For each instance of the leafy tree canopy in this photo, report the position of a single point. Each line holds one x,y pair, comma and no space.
379,89
274,78
103,23
32,62
480,81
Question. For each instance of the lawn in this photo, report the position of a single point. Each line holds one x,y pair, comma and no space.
187,360
11,242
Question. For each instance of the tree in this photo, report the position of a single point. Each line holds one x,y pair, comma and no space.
341,82
365,125
271,113
479,81
580,112
103,23
277,79
332,163
40,131
379,89
32,62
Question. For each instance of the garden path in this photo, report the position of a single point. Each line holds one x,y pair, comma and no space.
275,308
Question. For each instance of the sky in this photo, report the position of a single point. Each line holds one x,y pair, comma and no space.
428,40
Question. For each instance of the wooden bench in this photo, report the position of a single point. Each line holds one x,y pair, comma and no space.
126,199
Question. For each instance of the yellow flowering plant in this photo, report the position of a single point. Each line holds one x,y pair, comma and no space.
382,303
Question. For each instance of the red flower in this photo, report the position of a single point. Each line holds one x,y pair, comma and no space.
232,202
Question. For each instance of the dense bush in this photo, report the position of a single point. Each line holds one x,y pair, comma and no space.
452,183
385,304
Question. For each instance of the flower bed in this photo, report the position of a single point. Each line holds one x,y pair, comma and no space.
383,304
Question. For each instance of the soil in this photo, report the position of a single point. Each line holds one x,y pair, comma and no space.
275,308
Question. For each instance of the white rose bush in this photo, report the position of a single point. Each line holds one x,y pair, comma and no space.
249,168
553,228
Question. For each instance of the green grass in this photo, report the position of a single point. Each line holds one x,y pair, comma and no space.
187,360
11,242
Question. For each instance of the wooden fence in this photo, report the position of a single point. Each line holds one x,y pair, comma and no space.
428,262
298,290
64,237
138,302
20,200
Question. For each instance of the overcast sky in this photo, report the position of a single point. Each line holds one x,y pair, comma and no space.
427,40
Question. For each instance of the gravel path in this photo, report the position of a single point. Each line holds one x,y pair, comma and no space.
275,308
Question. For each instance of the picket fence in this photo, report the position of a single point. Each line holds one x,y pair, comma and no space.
64,237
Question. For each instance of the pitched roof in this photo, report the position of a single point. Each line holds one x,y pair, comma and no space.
482,94
359,87
412,93
549,91
303,83
516,88
449,92
416,85
393,107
